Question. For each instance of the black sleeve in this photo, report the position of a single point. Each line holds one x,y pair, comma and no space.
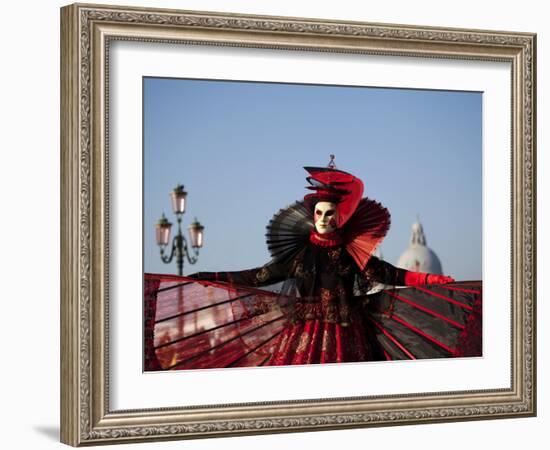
261,276
384,272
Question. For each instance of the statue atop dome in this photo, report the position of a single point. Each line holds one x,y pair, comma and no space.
418,236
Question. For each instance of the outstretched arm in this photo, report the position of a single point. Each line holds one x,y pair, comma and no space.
260,276
384,272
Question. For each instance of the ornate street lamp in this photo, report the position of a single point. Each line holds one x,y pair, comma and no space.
180,249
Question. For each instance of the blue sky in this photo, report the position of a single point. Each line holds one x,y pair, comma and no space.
240,148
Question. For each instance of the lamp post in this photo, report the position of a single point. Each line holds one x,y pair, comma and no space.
180,248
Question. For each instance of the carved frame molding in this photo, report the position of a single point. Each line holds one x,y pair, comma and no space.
87,31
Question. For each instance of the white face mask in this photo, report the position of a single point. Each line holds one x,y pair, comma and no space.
325,217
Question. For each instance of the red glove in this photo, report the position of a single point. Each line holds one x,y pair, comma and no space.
419,278
439,279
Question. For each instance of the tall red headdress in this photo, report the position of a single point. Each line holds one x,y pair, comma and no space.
335,186
363,223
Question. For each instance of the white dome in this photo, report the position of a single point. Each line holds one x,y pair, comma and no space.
419,257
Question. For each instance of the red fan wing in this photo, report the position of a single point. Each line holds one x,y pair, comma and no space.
434,321
197,325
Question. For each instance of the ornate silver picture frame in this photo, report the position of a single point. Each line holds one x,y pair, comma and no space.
87,35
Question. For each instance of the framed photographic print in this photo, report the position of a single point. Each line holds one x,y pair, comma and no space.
206,293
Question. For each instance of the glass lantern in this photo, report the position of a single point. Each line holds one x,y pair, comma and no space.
179,198
162,231
196,234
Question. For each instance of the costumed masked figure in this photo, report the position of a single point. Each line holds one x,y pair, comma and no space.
310,303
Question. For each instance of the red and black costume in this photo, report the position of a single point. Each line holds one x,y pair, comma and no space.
309,304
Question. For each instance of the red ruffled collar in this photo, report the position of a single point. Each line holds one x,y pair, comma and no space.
325,240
